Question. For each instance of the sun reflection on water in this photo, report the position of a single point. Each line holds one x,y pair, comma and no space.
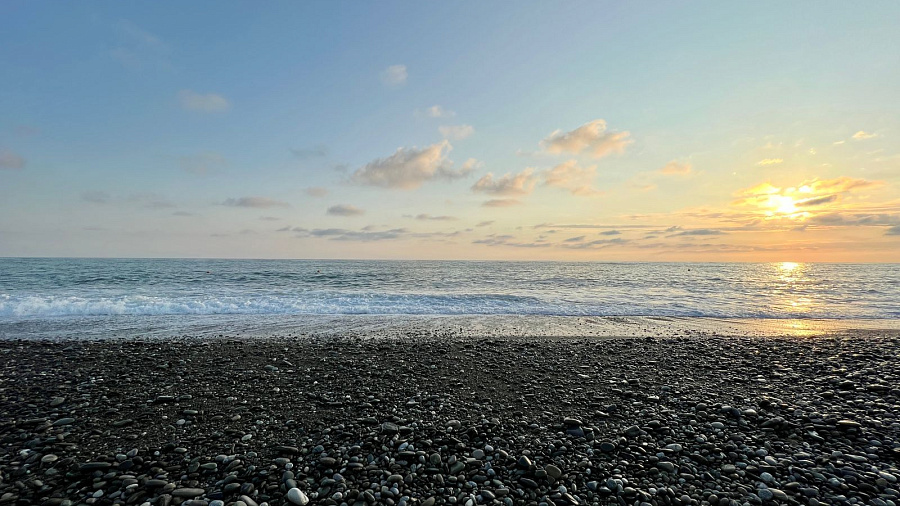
789,286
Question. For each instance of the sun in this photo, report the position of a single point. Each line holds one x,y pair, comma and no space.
782,206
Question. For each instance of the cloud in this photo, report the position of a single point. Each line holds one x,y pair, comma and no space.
643,187
344,210
138,48
316,151
591,138
568,175
269,218
579,238
428,217
409,168
11,160
507,240
95,197
501,203
779,202
760,189
610,232
210,102
485,223
860,219
864,135
842,184
394,76
769,161
509,184
676,168
316,191
816,201
456,132
695,232
437,111
202,163
254,202
895,230
596,244
341,234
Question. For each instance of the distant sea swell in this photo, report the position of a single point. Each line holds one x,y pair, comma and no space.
56,288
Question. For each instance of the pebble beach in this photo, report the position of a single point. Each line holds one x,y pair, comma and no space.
426,420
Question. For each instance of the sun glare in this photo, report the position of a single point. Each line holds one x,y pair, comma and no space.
788,266
783,206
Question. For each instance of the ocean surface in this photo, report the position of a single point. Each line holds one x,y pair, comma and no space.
101,293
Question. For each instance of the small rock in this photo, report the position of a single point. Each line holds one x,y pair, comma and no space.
296,496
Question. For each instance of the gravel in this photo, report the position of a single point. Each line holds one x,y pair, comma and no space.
426,420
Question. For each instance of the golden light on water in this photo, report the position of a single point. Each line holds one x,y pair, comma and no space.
788,266
787,287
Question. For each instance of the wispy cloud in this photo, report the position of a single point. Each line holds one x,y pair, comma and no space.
676,168
409,168
769,161
508,184
340,234
254,202
428,217
370,233
696,232
138,48
437,111
895,230
592,138
509,241
316,191
11,160
570,176
501,203
862,135
344,210
816,201
595,244
316,151
394,76
202,163
456,132
856,219
208,102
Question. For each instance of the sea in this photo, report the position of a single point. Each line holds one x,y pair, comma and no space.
74,297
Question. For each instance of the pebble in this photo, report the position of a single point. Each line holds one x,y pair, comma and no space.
296,496
406,433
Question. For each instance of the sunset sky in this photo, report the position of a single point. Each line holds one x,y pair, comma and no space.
644,131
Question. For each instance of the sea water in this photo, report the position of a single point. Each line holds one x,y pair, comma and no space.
100,292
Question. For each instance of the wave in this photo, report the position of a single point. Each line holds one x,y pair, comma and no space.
52,306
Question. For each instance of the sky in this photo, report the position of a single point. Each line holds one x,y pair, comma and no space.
528,130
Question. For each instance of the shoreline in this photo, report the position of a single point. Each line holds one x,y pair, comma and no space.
434,420
168,327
